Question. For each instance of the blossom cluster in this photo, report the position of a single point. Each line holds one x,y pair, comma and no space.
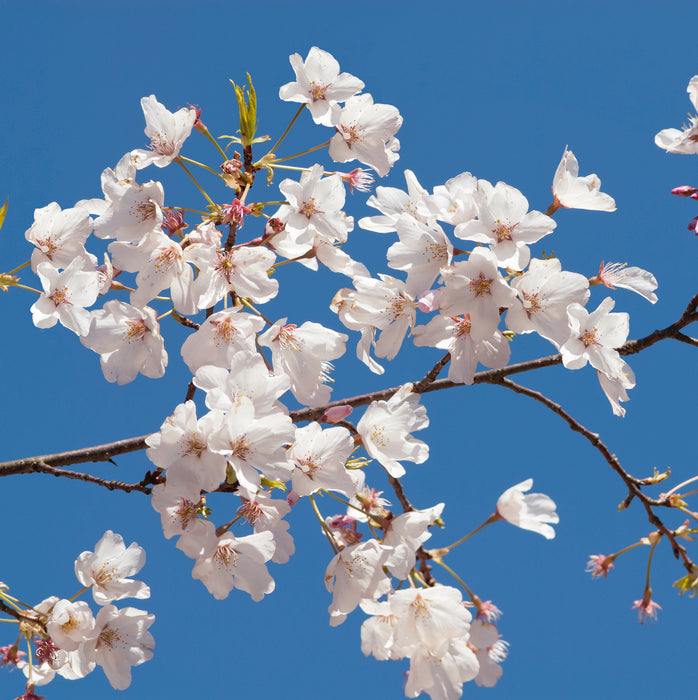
71,641
245,441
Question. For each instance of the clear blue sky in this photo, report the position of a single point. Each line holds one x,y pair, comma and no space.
498,90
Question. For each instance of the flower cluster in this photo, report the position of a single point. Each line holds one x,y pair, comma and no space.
71,641
242,439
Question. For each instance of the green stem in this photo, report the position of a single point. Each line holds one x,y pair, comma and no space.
492,519
208,135
17,269
288,128
201,165
79,593
296,155
178,159
325,529
457,577
246,303
674,490
649,564
24,286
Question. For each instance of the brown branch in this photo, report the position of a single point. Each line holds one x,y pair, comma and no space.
142,486
429,383
632,483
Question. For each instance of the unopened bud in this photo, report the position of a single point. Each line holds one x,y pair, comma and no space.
336,413
684,191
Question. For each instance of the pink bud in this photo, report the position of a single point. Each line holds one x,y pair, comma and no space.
292,498
684,191
336,413
430,301
692,225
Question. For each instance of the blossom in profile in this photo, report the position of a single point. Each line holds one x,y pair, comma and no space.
599,565
574,192
646,608
635,279
683,140
529,512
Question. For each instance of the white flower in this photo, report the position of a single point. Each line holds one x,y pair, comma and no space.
475,286
574,192
505,224
615,388
635,279
65,295
231,562
385,430
532,512
406,533
366,131
304,354
314,210
319,84
354,574
686,139
181,447
167,133
393,203
320,457
220,337
454,334
594,337
70,624
59,236
122,641
544,293
127,340
107,568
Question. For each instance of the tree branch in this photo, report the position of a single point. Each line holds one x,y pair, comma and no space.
429,383
632,483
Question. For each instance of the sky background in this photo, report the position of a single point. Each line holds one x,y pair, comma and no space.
498,90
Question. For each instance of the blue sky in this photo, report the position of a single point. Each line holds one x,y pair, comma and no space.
496,90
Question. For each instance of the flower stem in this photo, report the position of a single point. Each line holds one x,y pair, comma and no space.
201,165
17,269
325,529
208,135
296,155
288,128
492,519
178,159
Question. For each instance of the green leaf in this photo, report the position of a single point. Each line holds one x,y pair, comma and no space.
3,211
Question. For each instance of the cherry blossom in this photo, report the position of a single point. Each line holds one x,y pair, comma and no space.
59,236
231,562
127,340
544,292
70,624
686,139
65,296
594,337
505,224
319,84
366,131
529,512
574,192
107,568
303,353
167,133
635,279
385,430
122,641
